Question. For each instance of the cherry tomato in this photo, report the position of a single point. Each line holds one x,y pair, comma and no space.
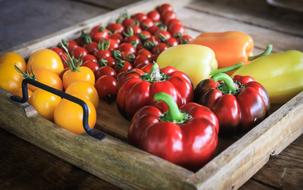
144,35
45,103
154,15
91,48
89,57
123,66
173,22
185,39
10,78
146,23
84,90
139,17
109,61
134,40
172,42
58,50
153,29
113,44
164,7
48,78
103,54
176,30
159,48
45,59
115,28
79,52
140,61
136,29
162,35
107,87
118,37
80,74
92,65
105,70
145,52
167,16
71,45
69,115
99,33
128,48
129,22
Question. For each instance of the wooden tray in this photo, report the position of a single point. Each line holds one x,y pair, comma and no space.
115,161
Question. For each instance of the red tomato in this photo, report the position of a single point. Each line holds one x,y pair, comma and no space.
173,22
109,61
164,8
153,29
185,39
89,57
58,50
141,61
71,45
145,52
103,54
92,65
159,48
134,40
176,30
144,35
105,70
113,44
146,23
107,87
162,35
172,42
154,15
139,16
91,48
118,37
129,22
123,66
79,52
167,16
115,28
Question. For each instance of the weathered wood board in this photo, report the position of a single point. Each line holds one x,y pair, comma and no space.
117,162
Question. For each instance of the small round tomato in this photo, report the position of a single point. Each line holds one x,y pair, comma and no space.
145,52
48,78
79,74
113,44
58,50
123,66
45,103
10,78
162,35
173,22
45,59
167,16
71,45
92,65
153,29
107,87
185,39
69,116
115,28
84,90
140,61
154,15
99,33
172,42
139,16
159,48
129,22
128,48
164,7
118,37
134,40
109,61
146,23
91,48
79,52
89,57
105,70
176,30
144,35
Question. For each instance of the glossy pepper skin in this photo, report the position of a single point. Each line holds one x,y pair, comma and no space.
230,47
197,61
281,74
137,88
239,103
187,137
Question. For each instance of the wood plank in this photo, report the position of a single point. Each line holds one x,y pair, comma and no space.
27,167
34,19
206,23
72,32
253,184
242,159
109,159
114,4
256,13
284,171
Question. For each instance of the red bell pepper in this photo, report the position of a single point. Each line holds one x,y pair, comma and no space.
239,103
187,137
137,88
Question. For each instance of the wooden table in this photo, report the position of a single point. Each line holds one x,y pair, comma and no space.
24,166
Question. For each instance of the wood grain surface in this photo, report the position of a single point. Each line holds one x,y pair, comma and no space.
28,167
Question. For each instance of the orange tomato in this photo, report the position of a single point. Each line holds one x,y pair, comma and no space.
81,74
84,90
45,103
69,115
47,77
45,59
10,78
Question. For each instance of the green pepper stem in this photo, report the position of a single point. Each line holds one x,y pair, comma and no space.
173,114
226,69
267,51
227,80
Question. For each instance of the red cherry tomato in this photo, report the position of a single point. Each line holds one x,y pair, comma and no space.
105,70
109,61
162,35
185,39
159,48
89,57
172,42
146,23
115,28
145,52
129,22
107,87
58,50
167,16
91,48
79,52
141,61
71,45
113,44
164,8
176,30
139,16
118,37
173,22
92,65
153,29
134,40
102,54
144,35
123,66
154,15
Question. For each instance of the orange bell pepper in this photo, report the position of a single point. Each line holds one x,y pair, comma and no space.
230,47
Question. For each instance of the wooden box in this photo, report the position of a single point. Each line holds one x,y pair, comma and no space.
117,162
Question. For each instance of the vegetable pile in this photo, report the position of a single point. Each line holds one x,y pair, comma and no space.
177,91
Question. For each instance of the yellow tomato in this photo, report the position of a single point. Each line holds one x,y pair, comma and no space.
45,59
45,103
10,78
84,90
47,77
69,115
81,74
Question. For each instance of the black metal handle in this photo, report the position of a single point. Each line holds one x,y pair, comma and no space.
92,132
